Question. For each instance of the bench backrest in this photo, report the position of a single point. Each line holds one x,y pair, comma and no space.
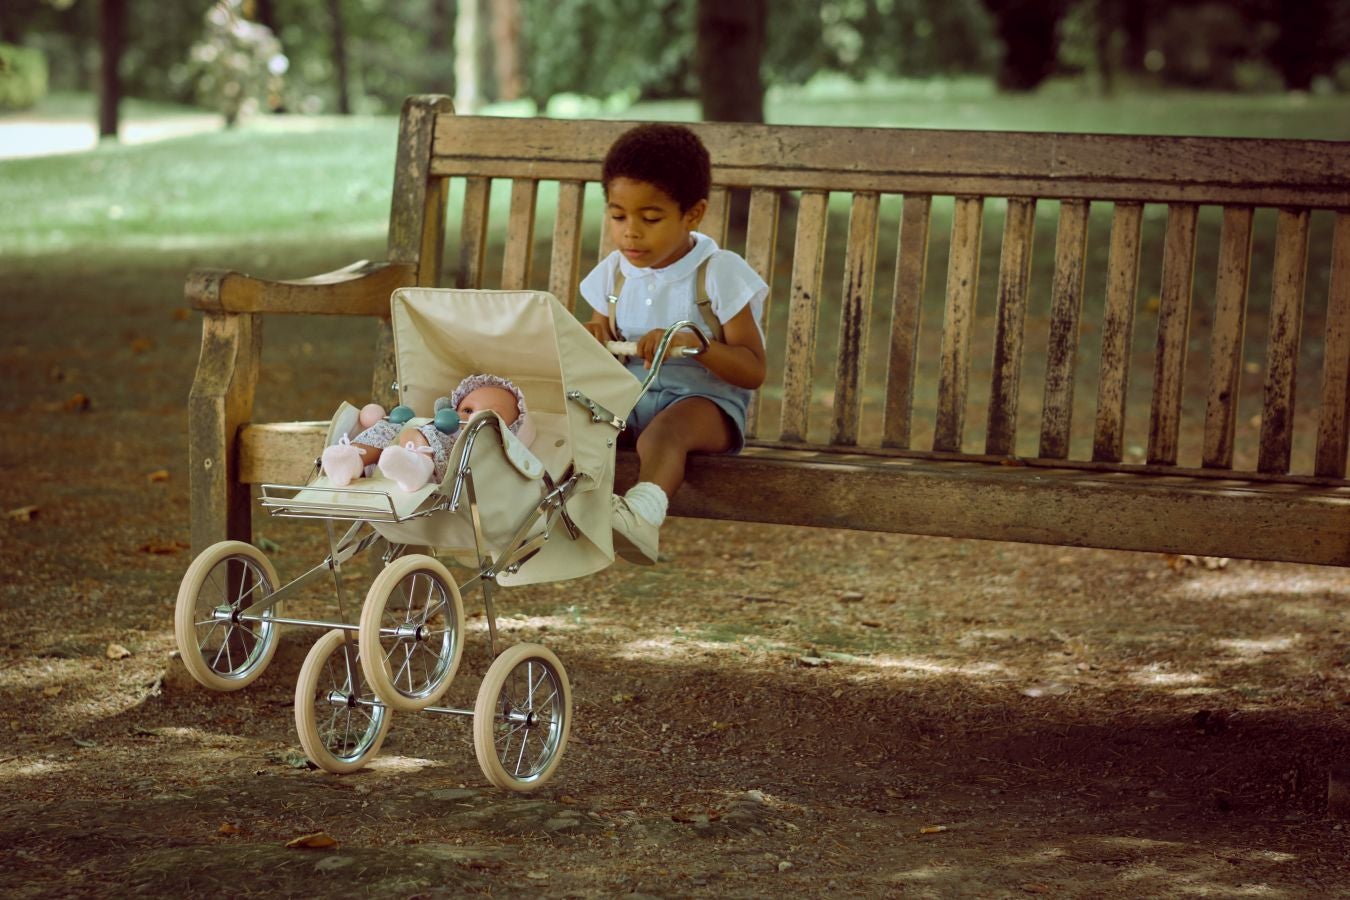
1211,198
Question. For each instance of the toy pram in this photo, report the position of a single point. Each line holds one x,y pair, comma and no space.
512,514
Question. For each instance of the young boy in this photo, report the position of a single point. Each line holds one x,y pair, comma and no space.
656,179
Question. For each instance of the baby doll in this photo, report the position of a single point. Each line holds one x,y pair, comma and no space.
413,456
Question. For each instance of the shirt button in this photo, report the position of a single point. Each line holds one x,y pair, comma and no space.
649,301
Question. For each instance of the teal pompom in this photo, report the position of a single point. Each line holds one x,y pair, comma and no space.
447,421
400,414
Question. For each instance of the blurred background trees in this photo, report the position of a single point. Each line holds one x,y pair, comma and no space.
364,56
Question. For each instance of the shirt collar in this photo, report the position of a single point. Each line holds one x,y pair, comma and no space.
683,267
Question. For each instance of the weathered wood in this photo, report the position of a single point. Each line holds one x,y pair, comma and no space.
564,272
519,252
1230,322
930,161
1014,274
280,453
361,289
1043,505
417,210
808,270
714,223
1066,305
855,313
761,242
963,271
221,400
1333,423
1113,379
1174,323
1282,342
473,233
911,267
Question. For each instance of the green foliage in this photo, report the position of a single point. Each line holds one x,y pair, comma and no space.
238,63
23,76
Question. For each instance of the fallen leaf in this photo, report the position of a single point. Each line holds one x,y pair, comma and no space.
227,828
1034,888
850,596
181,314
52,690
1051,689
158,475
141,345
316,841
76,403
117,651
163,548
22,513
932,829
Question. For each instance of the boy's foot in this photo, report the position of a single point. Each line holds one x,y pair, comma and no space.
635,539
409,465
341,463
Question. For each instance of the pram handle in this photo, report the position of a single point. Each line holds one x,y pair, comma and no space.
629,348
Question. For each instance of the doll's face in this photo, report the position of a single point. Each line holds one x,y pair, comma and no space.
498,399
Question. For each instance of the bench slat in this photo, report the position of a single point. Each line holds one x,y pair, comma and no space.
761,243
1122,285
1014,273
929,161
1282,344
473,233
911,268
1066,305
1068,507
564,273
1333,425
1174,322
519,252
808,270
1230,323
714,223
855,313
963,271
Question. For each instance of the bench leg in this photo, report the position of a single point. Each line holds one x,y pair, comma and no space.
221,402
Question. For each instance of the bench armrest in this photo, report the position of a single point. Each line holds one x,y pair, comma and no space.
361,289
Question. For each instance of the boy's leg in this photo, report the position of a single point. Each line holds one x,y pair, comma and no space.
692,425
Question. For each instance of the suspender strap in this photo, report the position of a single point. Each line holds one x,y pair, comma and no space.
705,307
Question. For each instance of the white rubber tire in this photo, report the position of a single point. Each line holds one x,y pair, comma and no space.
194,633
437,653
361,726
507,691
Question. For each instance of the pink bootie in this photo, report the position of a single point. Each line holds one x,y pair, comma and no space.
410,465
342,462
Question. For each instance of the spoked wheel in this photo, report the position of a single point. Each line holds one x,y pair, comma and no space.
412,633
341,723
222,651
522,718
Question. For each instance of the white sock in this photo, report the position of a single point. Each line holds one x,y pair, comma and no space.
648,500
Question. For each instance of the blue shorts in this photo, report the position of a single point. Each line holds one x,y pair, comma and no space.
680,379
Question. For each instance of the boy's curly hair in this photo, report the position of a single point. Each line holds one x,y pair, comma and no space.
669,156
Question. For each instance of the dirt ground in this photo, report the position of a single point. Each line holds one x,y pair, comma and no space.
769,711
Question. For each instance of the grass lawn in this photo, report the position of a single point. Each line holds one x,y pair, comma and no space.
290,197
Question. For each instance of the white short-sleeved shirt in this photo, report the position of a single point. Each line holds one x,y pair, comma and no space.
657,298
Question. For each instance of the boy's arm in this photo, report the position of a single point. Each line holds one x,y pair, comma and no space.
736,359
598,326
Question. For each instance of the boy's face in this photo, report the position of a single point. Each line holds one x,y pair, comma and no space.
646,224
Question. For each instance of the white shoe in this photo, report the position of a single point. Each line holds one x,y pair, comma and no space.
341,463
410,465
635,539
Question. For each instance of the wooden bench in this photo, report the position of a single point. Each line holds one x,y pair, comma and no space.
887,446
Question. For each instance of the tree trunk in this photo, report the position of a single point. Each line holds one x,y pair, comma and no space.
340,57
506,29
111,26
1134,19
730,50
1029,30
468,86
265,13
1299,51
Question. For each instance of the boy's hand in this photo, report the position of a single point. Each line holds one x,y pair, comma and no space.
652,339
599,330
